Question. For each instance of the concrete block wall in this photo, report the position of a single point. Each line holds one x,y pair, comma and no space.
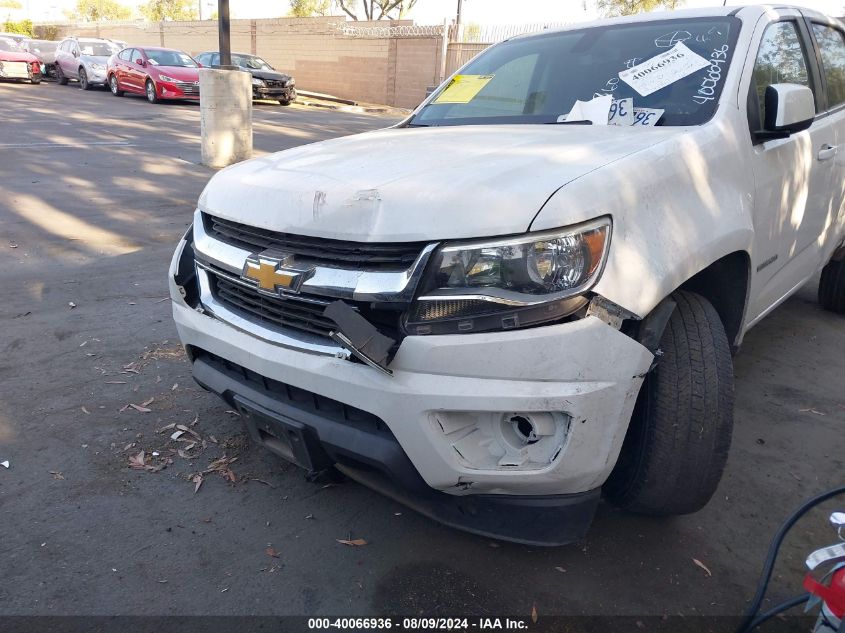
393,71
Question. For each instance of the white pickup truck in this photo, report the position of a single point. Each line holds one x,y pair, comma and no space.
528,293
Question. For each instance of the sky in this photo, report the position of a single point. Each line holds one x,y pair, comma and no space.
429,11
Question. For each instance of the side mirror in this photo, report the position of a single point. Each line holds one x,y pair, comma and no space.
76,53
790,108
199,65
140,62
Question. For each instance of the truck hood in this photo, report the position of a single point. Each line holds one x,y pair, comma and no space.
409,184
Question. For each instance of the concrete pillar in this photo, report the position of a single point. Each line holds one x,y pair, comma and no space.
225,116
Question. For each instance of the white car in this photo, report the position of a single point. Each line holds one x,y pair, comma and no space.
528,292
83,59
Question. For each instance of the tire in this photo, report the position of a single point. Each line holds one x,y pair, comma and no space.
285,102
84,84
35,78
60,76
114,86
150,91
832,287
677,444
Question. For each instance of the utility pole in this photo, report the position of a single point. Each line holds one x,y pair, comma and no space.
458,16
225,104
224,37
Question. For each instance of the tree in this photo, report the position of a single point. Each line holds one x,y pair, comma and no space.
306,8
615,8
161,10
376,9
24,27
98,10
10,4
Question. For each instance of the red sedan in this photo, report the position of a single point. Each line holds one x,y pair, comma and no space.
158,73
16,63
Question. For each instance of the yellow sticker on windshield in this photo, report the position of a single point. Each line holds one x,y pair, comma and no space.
463,88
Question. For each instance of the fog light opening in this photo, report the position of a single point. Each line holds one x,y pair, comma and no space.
524,429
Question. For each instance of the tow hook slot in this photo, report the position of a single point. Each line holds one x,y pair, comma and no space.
360,336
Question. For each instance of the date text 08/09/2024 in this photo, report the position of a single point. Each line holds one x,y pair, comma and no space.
419,624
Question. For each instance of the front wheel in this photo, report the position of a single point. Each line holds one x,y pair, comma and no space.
115,87
152,97
677,443
60,76
832,287
35,78
83,80
285,102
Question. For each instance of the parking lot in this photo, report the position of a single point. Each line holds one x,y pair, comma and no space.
95,191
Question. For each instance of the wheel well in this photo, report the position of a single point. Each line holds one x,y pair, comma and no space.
724,283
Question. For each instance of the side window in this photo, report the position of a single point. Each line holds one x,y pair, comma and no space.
832,48
124,54
781,59
215,59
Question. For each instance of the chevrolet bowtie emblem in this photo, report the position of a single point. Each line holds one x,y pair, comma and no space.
271,274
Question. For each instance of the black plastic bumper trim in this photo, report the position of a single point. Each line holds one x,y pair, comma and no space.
376,460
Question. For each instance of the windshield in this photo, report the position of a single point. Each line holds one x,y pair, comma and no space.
538,79
96,49
8,45
171,58
250,62
42,46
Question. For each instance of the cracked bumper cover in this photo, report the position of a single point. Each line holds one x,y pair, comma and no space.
583,370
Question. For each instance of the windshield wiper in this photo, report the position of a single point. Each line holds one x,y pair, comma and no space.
578,122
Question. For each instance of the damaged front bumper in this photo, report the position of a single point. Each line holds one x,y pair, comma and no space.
507,434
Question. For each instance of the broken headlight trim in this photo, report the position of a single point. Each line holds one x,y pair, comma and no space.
511,282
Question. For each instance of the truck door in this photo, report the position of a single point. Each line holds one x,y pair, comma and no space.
829,39
793,177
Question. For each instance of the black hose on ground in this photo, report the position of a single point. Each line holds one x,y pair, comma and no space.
751,614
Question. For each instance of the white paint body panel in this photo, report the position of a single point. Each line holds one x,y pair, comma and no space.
589,371
679,198
418,184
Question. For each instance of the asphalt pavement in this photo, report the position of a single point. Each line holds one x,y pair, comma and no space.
95,192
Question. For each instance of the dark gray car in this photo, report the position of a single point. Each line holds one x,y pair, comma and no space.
267,82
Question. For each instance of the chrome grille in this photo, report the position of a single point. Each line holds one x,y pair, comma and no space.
304,314
189,87
337,253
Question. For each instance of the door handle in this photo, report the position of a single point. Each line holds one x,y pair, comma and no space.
827,151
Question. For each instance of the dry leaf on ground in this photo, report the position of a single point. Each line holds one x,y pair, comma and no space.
703,566
358,542
271,551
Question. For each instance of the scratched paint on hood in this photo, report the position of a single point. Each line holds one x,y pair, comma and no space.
418,184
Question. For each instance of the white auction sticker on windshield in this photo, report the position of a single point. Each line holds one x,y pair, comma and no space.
647,117
621,112
663,69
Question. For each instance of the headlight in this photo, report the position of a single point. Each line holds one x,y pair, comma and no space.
509,283
290,83
257,82
98,67
169,80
